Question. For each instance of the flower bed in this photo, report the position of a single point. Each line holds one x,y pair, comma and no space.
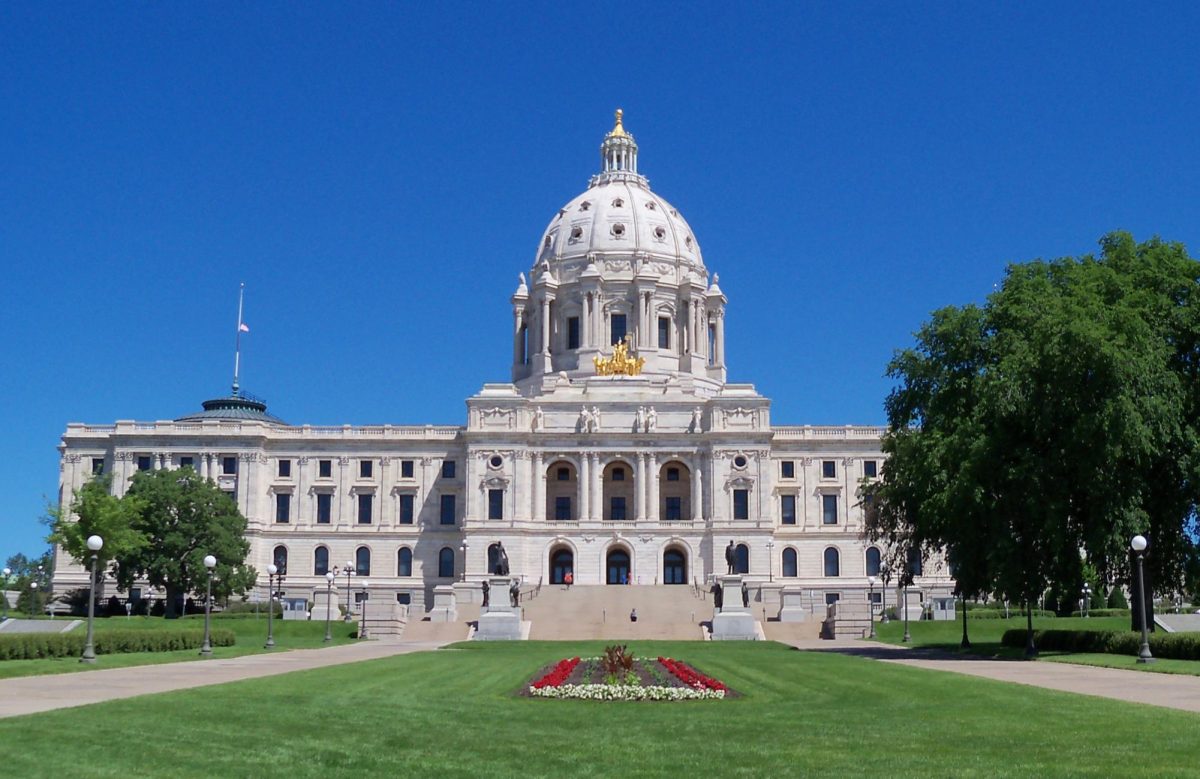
618,676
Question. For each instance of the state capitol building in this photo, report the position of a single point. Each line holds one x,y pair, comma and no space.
616,451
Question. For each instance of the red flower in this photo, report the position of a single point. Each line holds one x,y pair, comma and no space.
559,674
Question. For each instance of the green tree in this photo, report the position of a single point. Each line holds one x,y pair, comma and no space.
94,510
1059,417
183,518
25,571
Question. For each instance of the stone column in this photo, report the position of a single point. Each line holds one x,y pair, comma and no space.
204,460
697,488
546,326
720,338
581,508
539,487
640,484
343,492
652,488
596,488
517,312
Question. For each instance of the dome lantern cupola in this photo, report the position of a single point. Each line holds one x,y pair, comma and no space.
618,157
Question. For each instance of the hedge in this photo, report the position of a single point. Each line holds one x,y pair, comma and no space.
999,613
1174,646
31,646
1102,613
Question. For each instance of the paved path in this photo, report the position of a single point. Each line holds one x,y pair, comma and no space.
1173,691
30,694
14,625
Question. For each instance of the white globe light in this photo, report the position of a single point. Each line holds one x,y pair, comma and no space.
33,585
329,577
8,571
271,569
871,580
1138,543
366,584
349,565
210,562
95,543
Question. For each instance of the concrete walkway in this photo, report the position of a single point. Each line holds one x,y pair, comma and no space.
31,694
1172,691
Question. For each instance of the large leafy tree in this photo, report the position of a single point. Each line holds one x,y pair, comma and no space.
94,510
1061,417
183,518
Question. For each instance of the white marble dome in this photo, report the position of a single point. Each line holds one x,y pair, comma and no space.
618,216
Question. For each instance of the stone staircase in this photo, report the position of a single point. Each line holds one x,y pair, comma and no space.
459,630
602,612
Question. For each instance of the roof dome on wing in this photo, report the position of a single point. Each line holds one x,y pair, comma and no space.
239,406
618,215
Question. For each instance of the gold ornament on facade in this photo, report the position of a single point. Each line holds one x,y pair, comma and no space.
618,130
621,363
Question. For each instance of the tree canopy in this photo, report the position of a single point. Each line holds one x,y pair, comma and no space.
1039,432
97,511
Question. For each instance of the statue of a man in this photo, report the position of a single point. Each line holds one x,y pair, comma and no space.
730,558
595,419
538,418
716,593
697,420
514,592
501,560
651,420
639,421
486,588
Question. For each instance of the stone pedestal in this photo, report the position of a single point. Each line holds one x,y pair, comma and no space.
444,604
791,608
321,608
499,620
733,621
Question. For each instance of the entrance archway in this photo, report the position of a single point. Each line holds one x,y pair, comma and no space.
674,566
562,562
617,566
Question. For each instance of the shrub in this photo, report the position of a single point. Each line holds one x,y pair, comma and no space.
1012,613
246,607
1103,613
31,646
1116,599
1174,646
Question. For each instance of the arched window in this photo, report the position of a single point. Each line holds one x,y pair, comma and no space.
790,568
320,561
741,559
674,567
872,561
362,562
446,563
279,557
404,562
833,566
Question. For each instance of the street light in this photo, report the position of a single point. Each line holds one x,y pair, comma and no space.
362,628
907,636
1138,544
210,563
1087,594
94,543
770,559
4,594
871,605
886,574
349,571
966,642
33,600
272,569
329,577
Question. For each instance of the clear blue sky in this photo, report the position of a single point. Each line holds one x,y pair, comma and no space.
378,174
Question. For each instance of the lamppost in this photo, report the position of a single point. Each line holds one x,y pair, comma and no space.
362,628
94,543
907,636
349,572
966,642
4,594
1087,594
464,547
1138,545
770,559
328,604
272,569
210,563
871,605
33,600
885,573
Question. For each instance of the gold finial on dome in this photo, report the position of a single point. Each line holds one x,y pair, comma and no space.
618,131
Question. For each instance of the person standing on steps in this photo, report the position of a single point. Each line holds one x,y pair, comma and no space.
633,616
569,579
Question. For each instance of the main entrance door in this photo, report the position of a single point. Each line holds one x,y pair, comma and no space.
674,567
562,562
617,564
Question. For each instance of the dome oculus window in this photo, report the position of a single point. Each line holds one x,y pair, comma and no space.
650,205
546,242
576,233
585,205
618,203
495,461
660,233
688,241
618,230
739,461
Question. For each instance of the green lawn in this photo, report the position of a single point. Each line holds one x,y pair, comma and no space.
453,713
251,635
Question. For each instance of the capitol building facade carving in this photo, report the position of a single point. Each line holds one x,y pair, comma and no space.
618,450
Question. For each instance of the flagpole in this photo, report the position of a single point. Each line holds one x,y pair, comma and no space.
237,346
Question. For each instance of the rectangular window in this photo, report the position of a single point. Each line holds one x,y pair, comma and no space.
448,510
616,510
673,508
829,509
229,466
787,509
572,332
283,508
324,508
364,508
97,465
406,469
618,474
495,504
365,469
143,462
618,328
562,508
712,344
875,598
870,469
406,509
285,469
828,469
563,474
741,504
185,462
832,598
672,474
664,332
447,469
325,469
787,469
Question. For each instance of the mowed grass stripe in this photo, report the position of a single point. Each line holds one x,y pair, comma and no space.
452,713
